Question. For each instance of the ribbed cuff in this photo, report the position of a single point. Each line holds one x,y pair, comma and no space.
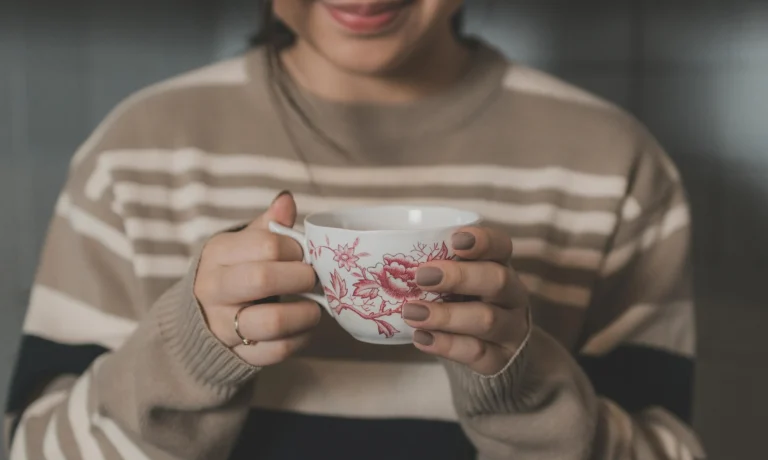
188,339
476,394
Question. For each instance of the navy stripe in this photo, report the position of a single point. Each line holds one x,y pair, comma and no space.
637,377
39,362
290,436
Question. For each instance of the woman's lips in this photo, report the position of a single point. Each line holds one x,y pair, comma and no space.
366,18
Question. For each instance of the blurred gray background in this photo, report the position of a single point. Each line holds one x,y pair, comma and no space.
695,71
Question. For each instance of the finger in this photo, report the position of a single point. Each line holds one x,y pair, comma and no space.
482,243
273,352
477,319
265,322
492,282
244,283
480,356
282,210
251,246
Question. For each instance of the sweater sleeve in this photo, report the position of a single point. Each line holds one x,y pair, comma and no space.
104,370
627,394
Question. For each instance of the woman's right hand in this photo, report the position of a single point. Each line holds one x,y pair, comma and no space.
239,268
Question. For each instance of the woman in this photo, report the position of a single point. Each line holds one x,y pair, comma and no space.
131,347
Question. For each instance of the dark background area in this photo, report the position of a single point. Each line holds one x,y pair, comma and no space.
695,71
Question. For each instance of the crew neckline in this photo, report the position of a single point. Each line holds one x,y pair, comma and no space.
365,126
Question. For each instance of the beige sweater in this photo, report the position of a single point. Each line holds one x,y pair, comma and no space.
117,362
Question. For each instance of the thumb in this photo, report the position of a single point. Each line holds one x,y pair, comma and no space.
282,210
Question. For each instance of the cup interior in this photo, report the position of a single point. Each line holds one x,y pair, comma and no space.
393,218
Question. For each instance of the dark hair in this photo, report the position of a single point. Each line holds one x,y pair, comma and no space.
274,34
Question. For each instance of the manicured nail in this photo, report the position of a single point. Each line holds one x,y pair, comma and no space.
284,192
415,312
429,276
463,241
423,338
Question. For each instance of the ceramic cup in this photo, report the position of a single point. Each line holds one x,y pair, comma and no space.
366,260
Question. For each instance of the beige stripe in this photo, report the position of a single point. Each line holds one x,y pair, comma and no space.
536,82
673,330
194,195
117,438
92,227
675,219
80,421
607,339
571,295
56,316
357,389
51,446
230,72
39,408
185,160
81,268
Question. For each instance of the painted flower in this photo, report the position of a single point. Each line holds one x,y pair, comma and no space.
396,278
345,256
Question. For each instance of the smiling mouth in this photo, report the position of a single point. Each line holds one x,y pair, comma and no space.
366,18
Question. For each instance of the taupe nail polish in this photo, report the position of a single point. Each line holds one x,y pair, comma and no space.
429,276
284,192
415,312
463,241
423,338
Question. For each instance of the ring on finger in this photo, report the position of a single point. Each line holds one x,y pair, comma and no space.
245,341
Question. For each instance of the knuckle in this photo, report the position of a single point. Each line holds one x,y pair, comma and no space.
260,276
269,246
271,325
283,350
500,276
203,288
476,350
487,319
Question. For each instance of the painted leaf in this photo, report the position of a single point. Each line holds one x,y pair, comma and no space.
385,328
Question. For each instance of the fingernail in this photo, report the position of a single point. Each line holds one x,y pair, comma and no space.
463,241
429,276
284,192
415,312
423,338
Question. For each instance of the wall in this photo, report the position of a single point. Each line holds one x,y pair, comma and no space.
695,71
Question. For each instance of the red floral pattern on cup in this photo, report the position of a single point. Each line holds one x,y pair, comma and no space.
379,289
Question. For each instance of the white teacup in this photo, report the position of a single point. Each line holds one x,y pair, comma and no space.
366,260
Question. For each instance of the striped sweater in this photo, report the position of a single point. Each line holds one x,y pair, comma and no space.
117,362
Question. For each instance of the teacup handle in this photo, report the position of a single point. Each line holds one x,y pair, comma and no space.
299,237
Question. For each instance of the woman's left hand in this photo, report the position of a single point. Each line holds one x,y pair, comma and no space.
483,333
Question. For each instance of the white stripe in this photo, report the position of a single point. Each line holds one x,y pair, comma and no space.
560,256
56,316
349,389
673,330
251,198
574,296
631,209
669,327
122,444
673,448
184,160
51,447
676,219
161,266
40,407
532,81
19,444
229,72
92,227
607,339
80,421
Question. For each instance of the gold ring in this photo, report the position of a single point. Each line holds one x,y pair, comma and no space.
245,341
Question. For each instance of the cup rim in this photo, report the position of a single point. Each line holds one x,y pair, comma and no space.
473,221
